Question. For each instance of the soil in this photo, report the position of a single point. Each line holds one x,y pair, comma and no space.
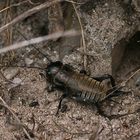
36,108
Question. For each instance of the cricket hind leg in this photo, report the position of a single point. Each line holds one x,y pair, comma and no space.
105,77
113,84
60,102
110,117
101,78
117,92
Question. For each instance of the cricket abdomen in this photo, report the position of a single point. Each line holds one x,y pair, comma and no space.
87,88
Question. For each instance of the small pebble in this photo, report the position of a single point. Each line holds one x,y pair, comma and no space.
17,81
28,61
126,101
79,118
138,82
10,73
23,102
34,104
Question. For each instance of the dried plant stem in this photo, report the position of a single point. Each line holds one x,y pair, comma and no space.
75,2
7,18
17,119
130,77
38,40
29,13
83,37
32,2
13,5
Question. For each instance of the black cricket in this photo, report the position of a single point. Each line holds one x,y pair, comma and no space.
79,86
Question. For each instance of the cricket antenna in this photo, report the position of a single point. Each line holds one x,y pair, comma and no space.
49,60
32,67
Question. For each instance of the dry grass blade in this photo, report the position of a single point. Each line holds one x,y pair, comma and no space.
17,119
6,20
29,13
13,5
124,83
32,2
75,2
7,36
38,40
83,37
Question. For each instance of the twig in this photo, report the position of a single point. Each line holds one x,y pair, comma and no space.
124,83
8,37
33,3
13,5
33,120
18,120
23,2
7,18
29,13
38,40
83,37
74,2
87,54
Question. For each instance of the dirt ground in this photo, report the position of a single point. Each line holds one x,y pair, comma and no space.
36,108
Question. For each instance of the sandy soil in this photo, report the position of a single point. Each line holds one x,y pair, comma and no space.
36,108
